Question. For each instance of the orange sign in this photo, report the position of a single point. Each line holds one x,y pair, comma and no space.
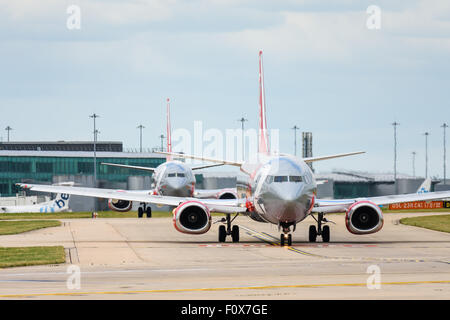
417,205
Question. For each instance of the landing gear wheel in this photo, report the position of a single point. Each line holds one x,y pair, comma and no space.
289,240
282,240
140,212
148,211
326,234
222,233
235,234
312,233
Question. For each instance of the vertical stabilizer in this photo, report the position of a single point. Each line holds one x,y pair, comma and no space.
169,132
263,145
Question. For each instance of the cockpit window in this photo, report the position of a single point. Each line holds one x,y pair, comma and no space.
280,178
180,175
170,175
295,178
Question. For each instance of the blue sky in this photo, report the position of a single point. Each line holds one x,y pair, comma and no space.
325,71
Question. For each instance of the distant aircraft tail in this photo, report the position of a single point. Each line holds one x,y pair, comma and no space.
425,186
169,132
263,145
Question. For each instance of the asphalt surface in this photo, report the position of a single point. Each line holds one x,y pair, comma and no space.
149,259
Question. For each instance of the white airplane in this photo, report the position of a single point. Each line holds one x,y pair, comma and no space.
281,190
171,178
59,204
425,186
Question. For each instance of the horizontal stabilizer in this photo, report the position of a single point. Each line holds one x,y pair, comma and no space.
312,159
128,167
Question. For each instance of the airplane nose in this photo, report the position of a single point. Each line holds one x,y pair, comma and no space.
176,184
290,194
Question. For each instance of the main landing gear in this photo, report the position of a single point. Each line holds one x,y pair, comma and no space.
286,236
324,231
144,209
228,230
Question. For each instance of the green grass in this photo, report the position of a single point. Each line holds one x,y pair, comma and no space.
437,223
79,215
85,215
416,210
30,256
14,227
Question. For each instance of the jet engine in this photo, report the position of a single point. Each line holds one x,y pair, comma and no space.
120,205
192,217
226,194
364,217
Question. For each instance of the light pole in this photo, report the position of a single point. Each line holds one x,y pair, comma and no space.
162,142
445,126
242,120
140,127
8,129
395,124
426,134
414,163
295,128
95,116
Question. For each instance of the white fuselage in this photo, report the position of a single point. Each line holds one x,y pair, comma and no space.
283,189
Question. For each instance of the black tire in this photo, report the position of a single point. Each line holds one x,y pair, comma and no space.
312,234
282,240
149,212
140,212
235,234
289,240
326,234
222,233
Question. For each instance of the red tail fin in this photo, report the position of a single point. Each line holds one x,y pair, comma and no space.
169,132
263,146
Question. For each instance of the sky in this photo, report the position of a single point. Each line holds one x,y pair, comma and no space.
325,71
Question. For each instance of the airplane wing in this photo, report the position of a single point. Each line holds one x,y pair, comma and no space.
188,156
209,193
340,205
207,166
214,205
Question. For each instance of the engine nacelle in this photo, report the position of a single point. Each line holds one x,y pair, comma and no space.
364,217
120,205
227,194
192,217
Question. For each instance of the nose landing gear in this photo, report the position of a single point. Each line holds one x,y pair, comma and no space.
324,231
286,236
228,230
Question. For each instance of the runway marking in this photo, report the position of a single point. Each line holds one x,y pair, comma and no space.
24,295
263,236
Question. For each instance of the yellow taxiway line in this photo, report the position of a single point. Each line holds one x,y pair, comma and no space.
77,293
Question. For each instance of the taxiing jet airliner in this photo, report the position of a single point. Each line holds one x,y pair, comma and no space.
171,178
282,190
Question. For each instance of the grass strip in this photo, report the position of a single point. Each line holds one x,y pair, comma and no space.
437,223
30,256
15,227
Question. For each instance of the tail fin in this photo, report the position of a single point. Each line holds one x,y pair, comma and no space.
263,146
61,202
169,132
425,186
